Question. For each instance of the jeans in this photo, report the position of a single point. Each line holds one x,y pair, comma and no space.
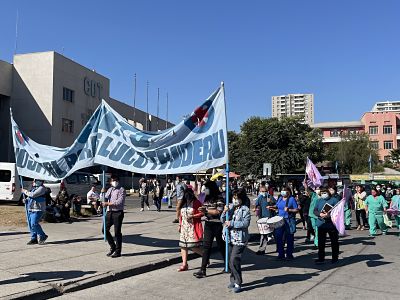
212,230
282,233
334,236
235,263
169,195
157,203
35,228
114,218
361,213
144,199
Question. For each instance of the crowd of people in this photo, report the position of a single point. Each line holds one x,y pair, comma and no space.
203,216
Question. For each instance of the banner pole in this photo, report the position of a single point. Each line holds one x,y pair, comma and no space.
21,182
227,184
104,199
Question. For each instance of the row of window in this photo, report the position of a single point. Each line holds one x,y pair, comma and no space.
338,133
387,129
387,145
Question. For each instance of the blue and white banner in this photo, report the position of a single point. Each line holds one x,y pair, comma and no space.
199,142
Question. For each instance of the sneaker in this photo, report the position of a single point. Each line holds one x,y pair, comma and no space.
200,274
312,238
175,221
148,207
111,252
363,228
384,233
142,209
42,240
237,288
269,239
32,242
320,261
116,254
371,235
359,227
231,285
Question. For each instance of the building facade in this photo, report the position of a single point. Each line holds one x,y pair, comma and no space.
291,105
386,106
52,98
332,132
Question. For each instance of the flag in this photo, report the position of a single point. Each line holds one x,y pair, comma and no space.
314,177
337,216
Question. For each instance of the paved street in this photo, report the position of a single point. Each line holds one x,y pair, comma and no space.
74,258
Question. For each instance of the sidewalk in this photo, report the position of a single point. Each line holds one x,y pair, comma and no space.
74,256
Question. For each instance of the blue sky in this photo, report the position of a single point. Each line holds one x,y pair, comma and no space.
345,52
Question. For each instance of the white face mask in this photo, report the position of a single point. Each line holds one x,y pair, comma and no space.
114,183
263,194
223,189
324,195
236,202
283,193
207,191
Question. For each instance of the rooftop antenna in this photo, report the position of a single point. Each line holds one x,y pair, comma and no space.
16,33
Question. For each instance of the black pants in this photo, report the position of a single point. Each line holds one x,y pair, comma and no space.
334,236
157,203
65,212
235,263
310,229
114,218
302,218
144,199
361,213
212,230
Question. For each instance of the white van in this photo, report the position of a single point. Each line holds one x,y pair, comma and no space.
10,188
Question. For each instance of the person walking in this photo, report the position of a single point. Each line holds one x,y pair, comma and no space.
170,189
326,226
190,227
158,194
287,208
144,194
263,204
36,206
375,207
313,218
359,202
180,189
212,209
115,201
237,223
395,206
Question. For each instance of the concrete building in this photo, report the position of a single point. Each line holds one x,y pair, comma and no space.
332,131
294,105
386,106
52,97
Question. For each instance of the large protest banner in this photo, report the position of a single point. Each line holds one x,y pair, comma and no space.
199,142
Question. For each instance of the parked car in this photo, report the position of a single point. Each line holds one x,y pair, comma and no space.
10,188
78,183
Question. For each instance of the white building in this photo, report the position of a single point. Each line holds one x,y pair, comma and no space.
294,105
386,106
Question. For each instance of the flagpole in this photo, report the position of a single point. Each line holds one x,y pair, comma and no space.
104,199
227,183
21,182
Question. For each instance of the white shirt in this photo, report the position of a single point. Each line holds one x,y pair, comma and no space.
90,195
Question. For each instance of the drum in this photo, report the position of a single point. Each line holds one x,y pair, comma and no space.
263,226
275,222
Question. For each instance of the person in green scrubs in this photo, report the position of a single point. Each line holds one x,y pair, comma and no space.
314,199
375,206
395,205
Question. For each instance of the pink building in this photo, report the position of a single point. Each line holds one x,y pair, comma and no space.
384,131
332,131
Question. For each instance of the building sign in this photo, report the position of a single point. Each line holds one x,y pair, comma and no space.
93,88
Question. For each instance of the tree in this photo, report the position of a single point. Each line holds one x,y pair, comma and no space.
395,156
353,154
285,143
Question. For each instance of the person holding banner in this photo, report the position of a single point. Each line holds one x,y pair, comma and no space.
36,205
114,202
375,207
326,226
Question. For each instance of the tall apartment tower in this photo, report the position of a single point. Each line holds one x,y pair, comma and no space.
294,105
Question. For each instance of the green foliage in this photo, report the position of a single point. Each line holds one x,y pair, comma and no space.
352,153
395,157
285,143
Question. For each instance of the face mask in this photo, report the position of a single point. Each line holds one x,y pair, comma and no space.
263,194
207,191
283,193
378,188
236,202
324,195
223,189
114,183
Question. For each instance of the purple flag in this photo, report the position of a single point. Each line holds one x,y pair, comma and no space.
337,216
314,177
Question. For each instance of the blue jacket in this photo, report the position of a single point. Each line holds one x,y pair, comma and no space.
327,223
36,199
238,229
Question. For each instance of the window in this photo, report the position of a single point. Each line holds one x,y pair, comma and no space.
83,179
335,133
67,126
387,129
388,145
373,129
71,179
5,176
375,145
68,95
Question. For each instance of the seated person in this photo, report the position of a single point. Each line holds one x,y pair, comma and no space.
93,199
76,204
62,206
